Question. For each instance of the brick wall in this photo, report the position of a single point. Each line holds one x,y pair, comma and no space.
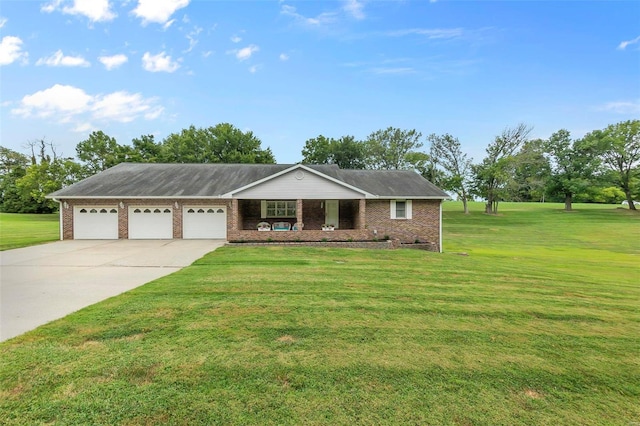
423,226
305,235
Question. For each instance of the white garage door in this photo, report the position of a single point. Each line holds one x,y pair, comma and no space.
150,223
204,222
95,223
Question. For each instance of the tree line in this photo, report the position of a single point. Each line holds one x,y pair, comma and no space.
603,166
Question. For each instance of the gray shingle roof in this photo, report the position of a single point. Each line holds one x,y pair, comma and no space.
143,180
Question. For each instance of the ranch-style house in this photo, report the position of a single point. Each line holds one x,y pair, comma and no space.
252,202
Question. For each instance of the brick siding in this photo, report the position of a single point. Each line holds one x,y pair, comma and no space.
369,218
423,226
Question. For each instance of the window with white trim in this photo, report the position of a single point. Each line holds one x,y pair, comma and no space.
400,209
278,209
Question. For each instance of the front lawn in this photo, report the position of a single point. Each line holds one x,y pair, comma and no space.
22,230
531,317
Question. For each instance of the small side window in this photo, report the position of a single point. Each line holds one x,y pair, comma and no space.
400,209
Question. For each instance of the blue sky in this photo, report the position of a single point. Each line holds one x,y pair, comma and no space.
291,70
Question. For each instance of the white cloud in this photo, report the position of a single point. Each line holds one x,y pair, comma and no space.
114,61
69,104
168,24
2,21
392,71
322,19
158,11
236,39
253,69
58,59
207,53
95,10
83,128
51,6
59,100
622,107
244,53
284,57
623,45
431,34
11,50
159,62
124,107
192,38
355,9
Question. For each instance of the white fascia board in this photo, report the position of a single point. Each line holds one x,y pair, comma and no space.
294,167
413,197
136,197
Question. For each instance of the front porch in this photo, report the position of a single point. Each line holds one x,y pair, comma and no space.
304,217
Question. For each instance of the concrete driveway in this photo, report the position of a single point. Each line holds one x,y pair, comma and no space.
41,283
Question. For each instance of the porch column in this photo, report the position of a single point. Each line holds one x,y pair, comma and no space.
299,215
362,213
235,218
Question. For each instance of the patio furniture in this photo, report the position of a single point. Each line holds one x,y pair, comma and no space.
264,226
281,226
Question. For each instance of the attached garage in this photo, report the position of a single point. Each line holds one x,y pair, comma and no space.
204,222
95,223
150,223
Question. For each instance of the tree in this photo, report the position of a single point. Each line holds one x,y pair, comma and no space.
390,148
492,176
99,152
318,150
532,173
13,166
144,150
573,163
619,145
24,186
446,152
46,177
346,152
220,144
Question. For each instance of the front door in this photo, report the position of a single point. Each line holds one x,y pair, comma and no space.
331,212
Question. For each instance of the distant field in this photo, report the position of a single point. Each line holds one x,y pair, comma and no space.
529,318
21,230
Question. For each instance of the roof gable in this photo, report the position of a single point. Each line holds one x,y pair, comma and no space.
296,182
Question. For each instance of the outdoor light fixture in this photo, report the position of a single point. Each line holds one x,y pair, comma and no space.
65,205
121,205
176,205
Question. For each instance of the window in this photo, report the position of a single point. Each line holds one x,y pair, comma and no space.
278,209
400,209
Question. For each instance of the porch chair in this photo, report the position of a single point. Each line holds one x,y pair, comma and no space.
264,226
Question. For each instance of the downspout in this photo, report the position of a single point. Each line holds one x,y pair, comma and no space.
60,218
441,226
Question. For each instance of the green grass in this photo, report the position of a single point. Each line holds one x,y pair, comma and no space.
22,230
539,323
